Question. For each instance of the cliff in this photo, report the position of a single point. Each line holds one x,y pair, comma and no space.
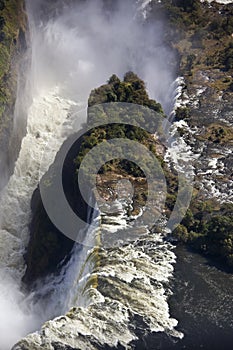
13,44
48,247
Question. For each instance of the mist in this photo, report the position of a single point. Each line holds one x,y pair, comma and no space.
75,48
85,44
15,319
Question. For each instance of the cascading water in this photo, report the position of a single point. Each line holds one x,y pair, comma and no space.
69,58
15,204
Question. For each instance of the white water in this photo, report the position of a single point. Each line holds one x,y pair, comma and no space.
70,58
133,280
220,1
45,124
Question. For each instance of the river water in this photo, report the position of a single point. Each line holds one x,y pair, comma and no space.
202,302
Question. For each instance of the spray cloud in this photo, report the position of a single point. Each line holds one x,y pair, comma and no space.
76,49
89,41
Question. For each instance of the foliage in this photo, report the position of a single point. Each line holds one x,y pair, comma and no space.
187,5
182,113
131,90
223,24
227,57
209,229
108,132
217,133
181,233
202,34
185,13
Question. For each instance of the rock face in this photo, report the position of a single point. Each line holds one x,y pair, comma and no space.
13,45
48,247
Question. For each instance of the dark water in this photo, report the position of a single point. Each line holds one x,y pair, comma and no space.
202,303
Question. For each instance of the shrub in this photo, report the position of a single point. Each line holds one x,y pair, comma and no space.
181,233
182,113
227,57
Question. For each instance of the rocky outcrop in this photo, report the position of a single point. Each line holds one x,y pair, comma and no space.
13,44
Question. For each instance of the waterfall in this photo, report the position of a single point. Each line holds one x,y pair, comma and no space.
70,57
15,201
176,94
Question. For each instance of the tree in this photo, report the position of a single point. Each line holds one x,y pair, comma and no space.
219,227
181,233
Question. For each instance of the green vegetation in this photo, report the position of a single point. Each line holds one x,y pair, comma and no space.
130,90
208,228
133,91
12,28
217,133
227,57
13,24
182,113
201,34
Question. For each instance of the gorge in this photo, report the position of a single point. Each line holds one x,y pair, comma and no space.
128,295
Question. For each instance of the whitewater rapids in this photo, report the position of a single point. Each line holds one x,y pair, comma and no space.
112,291
100,292
45,124
105,289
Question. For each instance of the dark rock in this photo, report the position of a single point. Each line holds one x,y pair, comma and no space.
48,248
60,346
